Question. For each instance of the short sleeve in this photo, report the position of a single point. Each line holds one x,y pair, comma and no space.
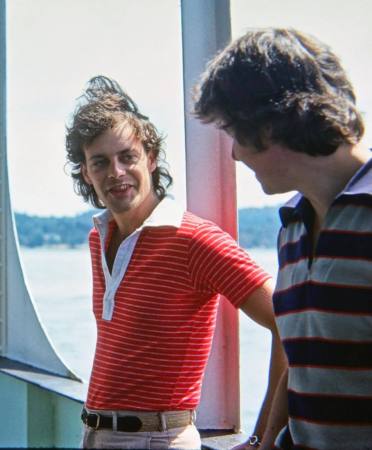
218,265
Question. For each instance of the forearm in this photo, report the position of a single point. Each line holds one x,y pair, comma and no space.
259,307
278,416
278,365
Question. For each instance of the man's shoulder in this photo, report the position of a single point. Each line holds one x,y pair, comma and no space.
194,218
204,232
193,221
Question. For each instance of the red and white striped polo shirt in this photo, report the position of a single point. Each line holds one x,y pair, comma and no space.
154,339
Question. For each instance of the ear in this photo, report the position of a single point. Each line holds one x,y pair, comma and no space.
152,164
266,133
84,172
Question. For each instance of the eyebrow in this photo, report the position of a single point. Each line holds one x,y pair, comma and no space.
124,150
98,156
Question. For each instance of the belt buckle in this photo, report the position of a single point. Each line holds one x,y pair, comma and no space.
96,426
130,424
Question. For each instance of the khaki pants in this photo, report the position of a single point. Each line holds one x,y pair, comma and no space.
186,438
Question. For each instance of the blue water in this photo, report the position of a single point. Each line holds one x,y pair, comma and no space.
60,283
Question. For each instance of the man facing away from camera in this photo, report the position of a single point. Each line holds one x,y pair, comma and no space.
157,275
285,100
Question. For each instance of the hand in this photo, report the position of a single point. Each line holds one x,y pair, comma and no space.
244,446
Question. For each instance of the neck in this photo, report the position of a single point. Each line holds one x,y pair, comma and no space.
326,176
129,221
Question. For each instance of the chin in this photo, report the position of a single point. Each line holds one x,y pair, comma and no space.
117,208
268,190
273,190
121,209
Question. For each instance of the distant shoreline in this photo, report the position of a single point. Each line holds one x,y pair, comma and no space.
56,247
258,227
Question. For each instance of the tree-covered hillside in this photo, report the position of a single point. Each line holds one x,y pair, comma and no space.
258,227
35,231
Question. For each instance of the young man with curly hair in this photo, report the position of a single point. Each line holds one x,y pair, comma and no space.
157,275
289,107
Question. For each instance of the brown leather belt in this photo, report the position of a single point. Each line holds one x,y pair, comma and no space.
136,421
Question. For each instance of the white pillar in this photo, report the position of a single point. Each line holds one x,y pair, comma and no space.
211,193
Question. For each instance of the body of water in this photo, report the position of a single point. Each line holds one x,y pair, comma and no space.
59,281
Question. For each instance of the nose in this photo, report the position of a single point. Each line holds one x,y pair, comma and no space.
116,169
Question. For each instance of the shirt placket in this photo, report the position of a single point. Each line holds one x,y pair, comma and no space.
119,268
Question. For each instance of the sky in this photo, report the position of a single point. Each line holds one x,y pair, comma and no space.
55,46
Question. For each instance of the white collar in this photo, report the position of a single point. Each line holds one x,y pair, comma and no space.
167,213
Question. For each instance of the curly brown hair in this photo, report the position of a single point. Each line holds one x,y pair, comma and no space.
283,85
102,106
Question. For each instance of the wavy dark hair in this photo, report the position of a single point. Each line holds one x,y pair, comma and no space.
103,105
280,85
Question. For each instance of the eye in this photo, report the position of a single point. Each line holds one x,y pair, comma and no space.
97,164
129,157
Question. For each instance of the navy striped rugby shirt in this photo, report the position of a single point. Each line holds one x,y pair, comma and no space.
323,306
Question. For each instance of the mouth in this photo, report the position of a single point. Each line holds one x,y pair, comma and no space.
119,189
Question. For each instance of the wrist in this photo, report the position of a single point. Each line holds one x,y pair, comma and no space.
254,441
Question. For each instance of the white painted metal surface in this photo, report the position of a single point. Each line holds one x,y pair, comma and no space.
211,193
22,337
2,179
